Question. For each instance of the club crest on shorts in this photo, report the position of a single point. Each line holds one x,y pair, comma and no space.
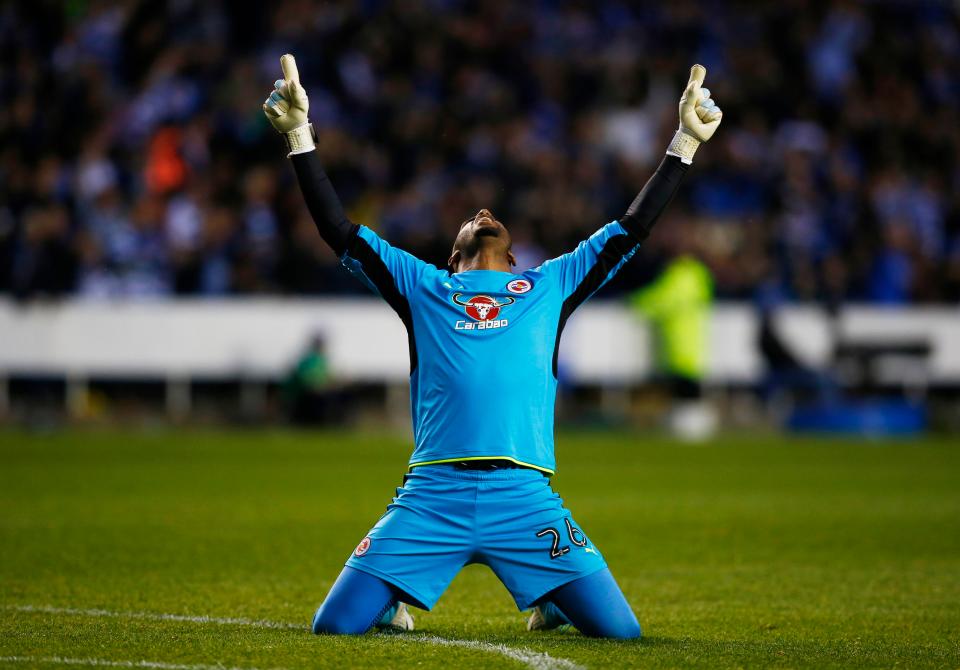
519,286
363,547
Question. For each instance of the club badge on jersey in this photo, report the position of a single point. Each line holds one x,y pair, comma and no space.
519,286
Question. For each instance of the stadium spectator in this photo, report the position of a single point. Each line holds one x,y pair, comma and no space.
134,162
310,394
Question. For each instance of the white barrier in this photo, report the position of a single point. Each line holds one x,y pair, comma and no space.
261,338
200,338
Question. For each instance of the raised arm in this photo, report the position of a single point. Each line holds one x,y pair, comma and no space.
390,272
322,201
699,118
649,204
287,109
597,259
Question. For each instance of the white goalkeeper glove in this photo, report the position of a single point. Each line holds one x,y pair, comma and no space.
287,107
699,117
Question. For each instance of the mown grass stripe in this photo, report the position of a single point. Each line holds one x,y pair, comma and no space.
103,662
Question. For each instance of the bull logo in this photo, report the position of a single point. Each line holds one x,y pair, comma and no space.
482,307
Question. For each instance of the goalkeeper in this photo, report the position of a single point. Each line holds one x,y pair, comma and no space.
483,342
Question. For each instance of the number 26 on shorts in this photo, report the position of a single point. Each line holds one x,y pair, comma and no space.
576,537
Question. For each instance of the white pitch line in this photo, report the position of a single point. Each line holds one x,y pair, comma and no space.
156,616
60,660
535,660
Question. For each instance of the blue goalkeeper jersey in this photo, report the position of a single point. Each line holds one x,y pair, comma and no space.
483,343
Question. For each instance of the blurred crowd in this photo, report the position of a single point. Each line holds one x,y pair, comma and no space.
135,159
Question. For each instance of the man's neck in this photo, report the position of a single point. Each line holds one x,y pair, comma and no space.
485,259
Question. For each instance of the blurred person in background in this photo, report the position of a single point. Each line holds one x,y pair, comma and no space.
787,380
43,261
309,393
677,305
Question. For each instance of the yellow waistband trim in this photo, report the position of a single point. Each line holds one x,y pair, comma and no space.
482,458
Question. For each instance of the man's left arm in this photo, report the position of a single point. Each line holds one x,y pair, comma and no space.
699,118
597,259
653,199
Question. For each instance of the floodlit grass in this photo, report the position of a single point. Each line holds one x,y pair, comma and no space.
751,552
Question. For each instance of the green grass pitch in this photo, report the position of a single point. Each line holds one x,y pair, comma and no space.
752,552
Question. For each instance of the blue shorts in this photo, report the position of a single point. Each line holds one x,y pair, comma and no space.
443,518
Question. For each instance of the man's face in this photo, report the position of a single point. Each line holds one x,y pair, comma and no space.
482,229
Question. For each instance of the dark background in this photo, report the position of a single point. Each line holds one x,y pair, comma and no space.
135,159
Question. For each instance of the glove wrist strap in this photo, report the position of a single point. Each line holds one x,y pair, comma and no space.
301,139
683,146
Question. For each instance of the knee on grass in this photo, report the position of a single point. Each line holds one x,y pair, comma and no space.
324,624
621,630
622,626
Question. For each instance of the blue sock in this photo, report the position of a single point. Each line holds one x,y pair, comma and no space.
388,615
552,616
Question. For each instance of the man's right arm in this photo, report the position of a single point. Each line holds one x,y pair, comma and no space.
287,109
322,201
391,272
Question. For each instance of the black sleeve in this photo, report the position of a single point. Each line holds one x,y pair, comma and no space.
647,207
322,201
